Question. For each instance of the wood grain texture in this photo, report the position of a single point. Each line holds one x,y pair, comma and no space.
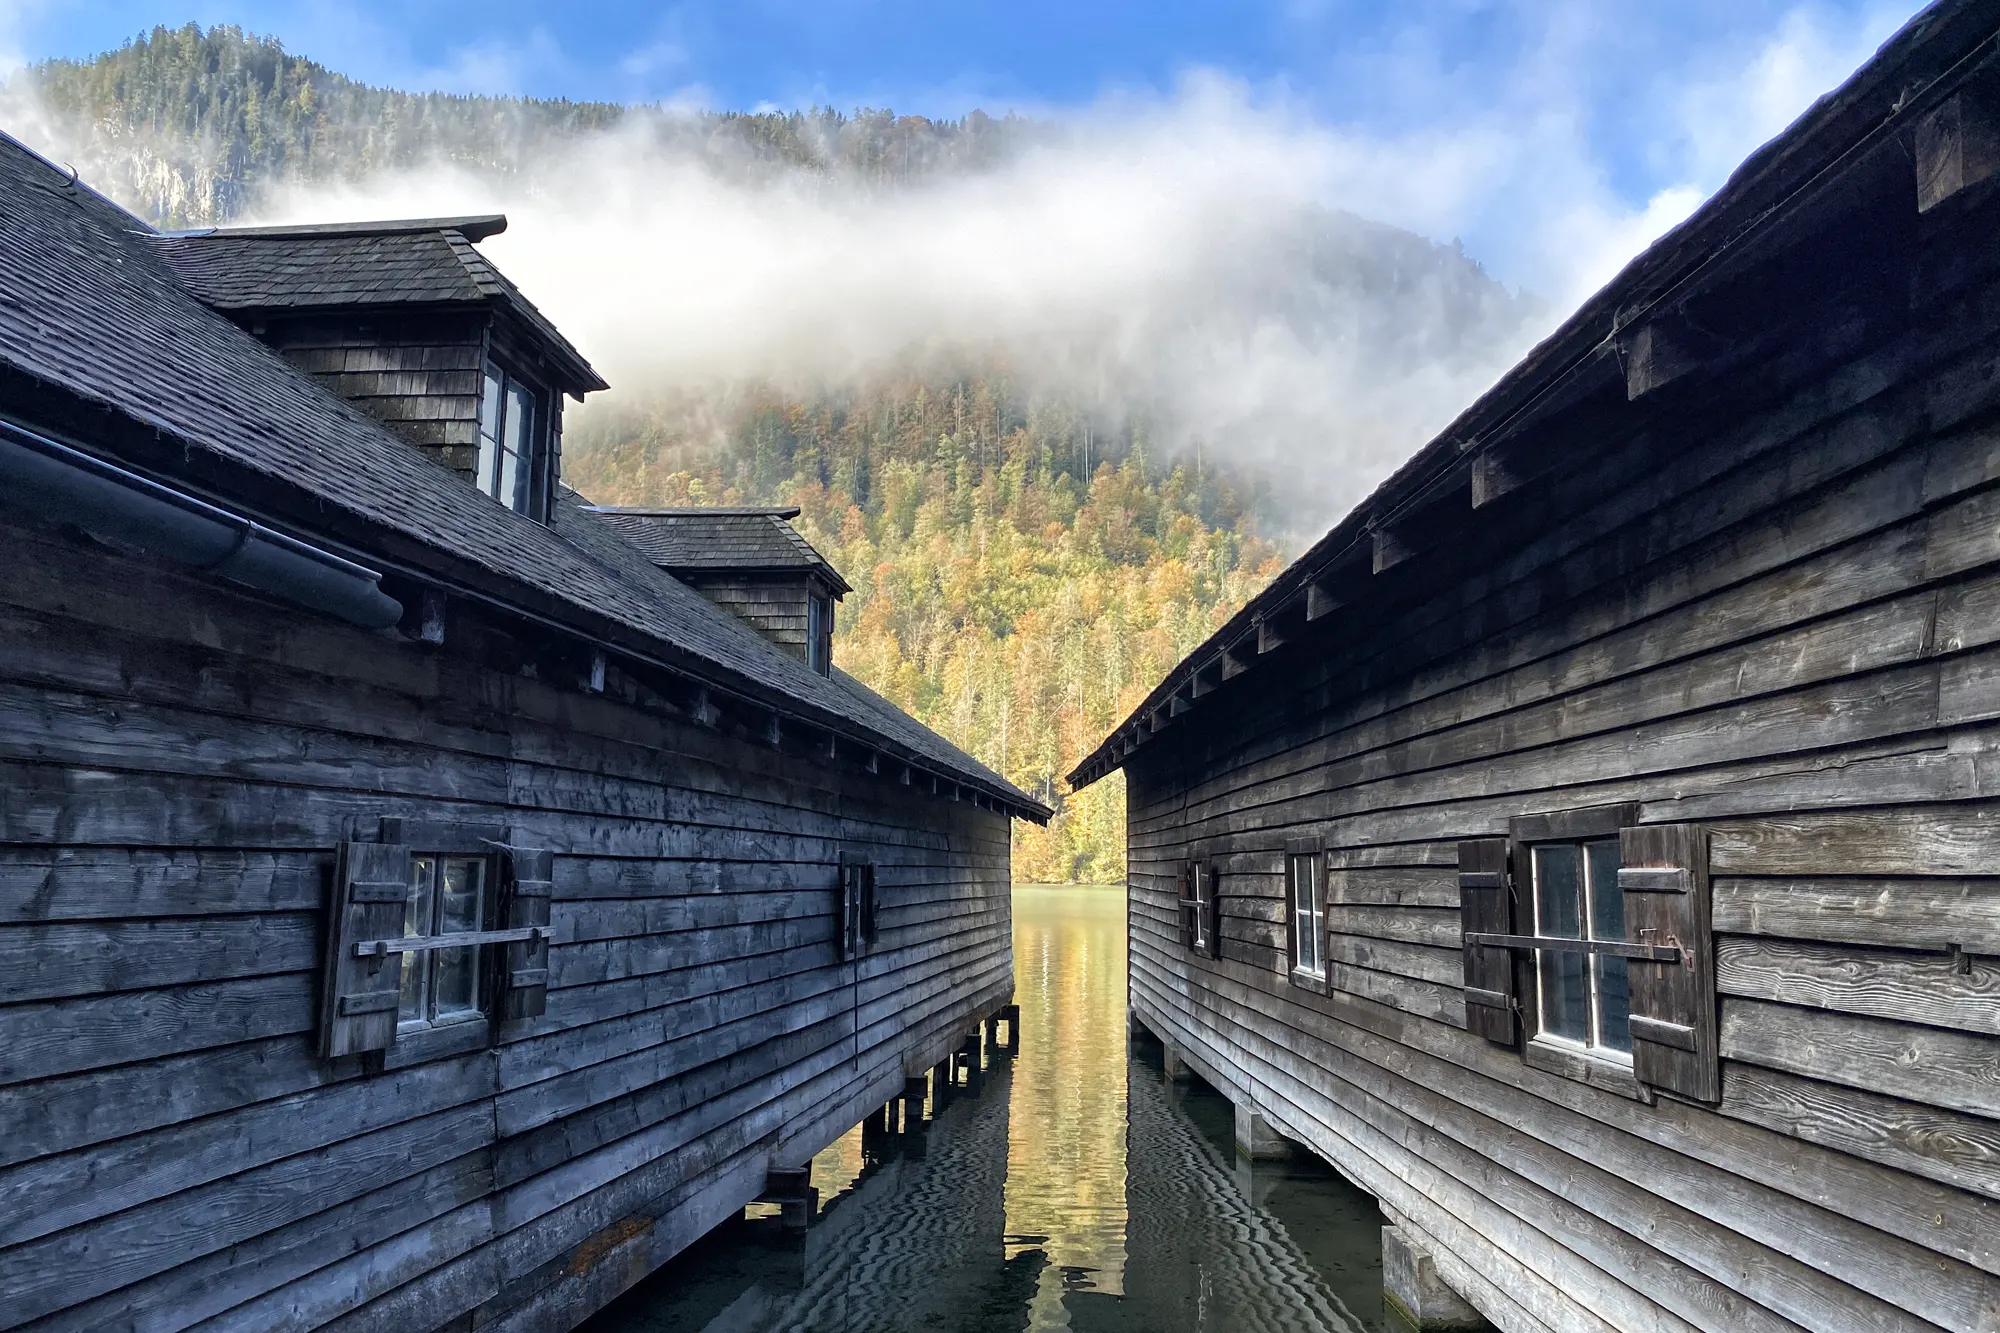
180,764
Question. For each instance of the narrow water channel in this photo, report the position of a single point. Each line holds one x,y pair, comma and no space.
1076,1190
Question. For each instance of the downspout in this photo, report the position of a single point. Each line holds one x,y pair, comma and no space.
127,511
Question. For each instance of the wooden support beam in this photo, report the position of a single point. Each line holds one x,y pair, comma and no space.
874,762
1956,146
704,710
1235,659
1269,635
1388,550
771,733
1492,477
1177,703
594,682
1206,677
1319,601
1663,350
908,776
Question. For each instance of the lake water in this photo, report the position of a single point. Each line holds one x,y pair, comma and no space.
1076,1190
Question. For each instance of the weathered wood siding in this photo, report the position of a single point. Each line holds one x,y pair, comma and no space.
177,763
1777,614
775,608
420,375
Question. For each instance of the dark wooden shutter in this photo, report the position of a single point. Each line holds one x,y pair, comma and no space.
1185,904
1212,904
359,994
853,900
527,875
1663,873
1486,906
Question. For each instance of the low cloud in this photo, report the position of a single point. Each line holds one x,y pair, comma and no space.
1201,261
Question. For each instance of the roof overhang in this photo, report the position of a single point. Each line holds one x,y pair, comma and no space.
1622,344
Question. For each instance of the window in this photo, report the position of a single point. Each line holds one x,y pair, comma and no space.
1596,933
512,455
447,897
438,930
1201,921
819,633
1306,901
1583,999
856,907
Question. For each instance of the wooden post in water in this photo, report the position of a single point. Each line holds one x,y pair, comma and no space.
913,1105
790,1187
968,1059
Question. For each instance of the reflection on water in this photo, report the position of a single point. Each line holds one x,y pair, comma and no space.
1076,1190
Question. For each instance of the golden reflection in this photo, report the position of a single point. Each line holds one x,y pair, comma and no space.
1065,1189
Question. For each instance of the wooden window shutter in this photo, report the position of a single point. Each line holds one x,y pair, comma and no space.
1663,874
1185,904
359,995
1486,906
1213,906
857,902
527,880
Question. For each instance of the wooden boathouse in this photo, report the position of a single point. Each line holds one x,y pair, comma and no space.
1591,846
419,909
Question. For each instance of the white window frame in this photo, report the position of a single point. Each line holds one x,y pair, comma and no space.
1308,877
496,392
1202,890
425,964
1593,1045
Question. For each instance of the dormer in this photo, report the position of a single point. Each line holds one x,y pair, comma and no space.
411,324
751,562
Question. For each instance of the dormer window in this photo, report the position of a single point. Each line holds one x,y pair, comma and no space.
513,449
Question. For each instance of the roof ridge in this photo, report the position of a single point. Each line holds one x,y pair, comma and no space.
474,226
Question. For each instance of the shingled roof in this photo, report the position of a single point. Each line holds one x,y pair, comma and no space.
415,262
100,334
722,540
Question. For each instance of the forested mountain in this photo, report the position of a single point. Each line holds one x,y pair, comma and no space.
1030,551
187,125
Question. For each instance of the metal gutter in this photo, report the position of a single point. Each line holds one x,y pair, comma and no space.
131,512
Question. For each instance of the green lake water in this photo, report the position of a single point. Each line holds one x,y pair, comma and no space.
1076,1190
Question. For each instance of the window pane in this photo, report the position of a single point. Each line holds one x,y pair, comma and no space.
1607,922
1559,891
456,974
507,489
520,416
1607,904
1311,919
1565,996
489,405
1565,984
416,921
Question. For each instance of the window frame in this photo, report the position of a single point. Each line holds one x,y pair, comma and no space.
417,1044
1201,888
1554,1053
819,632
1310,922
532,485
486,896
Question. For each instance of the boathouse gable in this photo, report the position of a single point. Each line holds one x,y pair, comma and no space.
1642,721
284,703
